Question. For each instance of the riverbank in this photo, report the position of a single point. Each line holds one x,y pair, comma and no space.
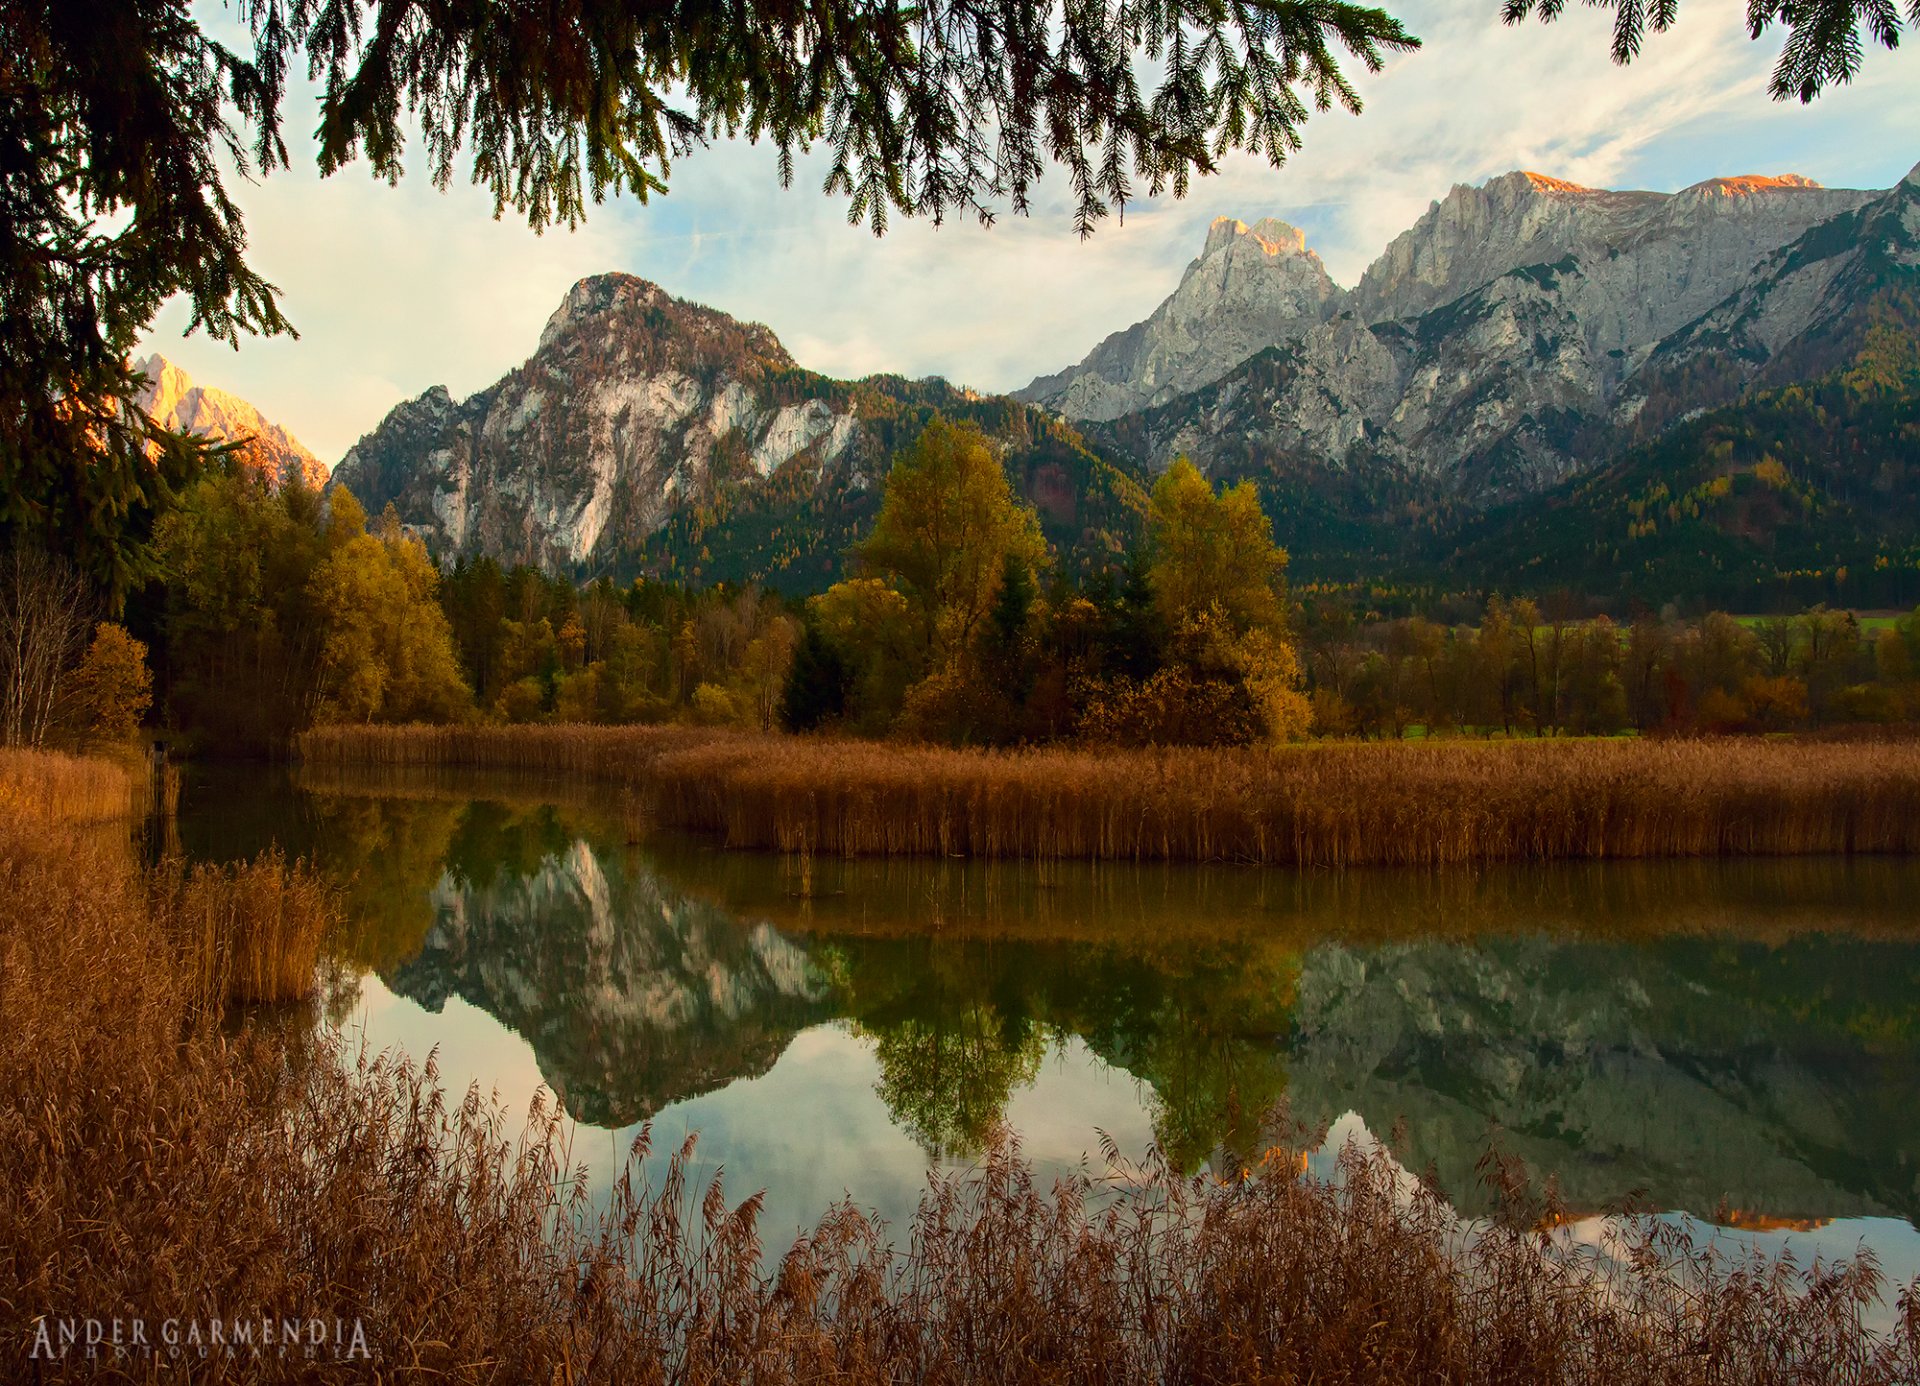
1348,804
165,1163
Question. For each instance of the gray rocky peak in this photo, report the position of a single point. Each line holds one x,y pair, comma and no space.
1251,288
1519,329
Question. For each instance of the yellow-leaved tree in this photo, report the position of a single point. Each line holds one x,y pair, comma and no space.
388,650
1218,583
948,526
111,688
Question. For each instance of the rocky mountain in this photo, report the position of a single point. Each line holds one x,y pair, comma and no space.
174,401
632,996
1704,1073
1517,333
648,433
1252,287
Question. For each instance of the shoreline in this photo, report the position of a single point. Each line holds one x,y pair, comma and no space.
1326,805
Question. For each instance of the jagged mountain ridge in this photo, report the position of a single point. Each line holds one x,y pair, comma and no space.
1498,346
172,398
1251,287
649,433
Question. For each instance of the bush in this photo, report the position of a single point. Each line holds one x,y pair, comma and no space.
713,706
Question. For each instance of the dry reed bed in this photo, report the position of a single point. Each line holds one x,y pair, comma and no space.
154,1162
247,932
54,788
1334,805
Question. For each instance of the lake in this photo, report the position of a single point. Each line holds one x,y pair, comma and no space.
1732,1041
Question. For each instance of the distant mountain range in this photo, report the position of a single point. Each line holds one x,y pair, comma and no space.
1494,403
174,401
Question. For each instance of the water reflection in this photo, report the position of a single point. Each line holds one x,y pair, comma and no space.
1730,1039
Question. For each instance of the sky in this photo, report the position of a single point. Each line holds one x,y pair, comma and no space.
395,289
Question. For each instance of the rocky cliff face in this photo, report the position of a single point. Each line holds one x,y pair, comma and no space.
175,402
648,432
1492,349
633,400
1252,287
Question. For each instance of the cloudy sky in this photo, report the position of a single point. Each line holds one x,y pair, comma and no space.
397,289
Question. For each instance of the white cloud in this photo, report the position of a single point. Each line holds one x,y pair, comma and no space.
397,289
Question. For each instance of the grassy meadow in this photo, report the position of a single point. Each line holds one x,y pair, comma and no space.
1323,805
163,1155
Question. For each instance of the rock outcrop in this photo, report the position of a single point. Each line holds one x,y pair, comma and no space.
1252,287
633,399
649,433
175,402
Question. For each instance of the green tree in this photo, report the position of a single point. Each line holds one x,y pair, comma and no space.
872,630
948,1072
243,640
817,683
949,529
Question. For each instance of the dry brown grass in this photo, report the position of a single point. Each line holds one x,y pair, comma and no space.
249,931
156,1163
1329,805
49,787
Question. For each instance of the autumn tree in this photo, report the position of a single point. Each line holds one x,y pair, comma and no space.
948,532
387,654
1218,582
877,652
283,610
111,689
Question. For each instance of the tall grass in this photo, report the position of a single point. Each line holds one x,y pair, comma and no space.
246,932
53,788
1330,805
158,1164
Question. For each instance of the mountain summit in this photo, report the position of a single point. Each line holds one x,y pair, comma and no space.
1495,347
1251,287
647,432
174,401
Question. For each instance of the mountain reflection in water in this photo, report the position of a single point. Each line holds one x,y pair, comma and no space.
1735,1038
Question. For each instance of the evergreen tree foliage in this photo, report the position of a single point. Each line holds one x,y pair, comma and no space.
817,684
113,117
1823,46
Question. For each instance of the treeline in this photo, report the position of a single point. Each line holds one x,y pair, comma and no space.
1522,669
274,610
280,610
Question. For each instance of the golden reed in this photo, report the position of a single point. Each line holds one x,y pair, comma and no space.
1363,804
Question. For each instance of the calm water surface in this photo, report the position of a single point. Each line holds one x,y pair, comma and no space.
1738,1042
